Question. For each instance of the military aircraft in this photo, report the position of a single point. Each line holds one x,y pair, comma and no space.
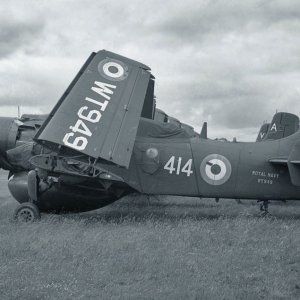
104,139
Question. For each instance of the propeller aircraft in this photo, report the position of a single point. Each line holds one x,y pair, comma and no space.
105,139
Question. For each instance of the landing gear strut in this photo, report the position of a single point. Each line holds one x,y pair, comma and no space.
264,207
28,212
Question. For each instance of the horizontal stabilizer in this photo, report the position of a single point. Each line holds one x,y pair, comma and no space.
99,113
292,162
283,161
278,161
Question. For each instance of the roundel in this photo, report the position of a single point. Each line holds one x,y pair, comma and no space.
113,69
215,169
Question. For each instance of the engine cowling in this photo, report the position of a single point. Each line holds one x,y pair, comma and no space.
62,196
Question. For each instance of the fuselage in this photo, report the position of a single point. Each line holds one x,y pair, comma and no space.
207,168
169,160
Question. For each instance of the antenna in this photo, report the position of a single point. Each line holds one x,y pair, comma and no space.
19,112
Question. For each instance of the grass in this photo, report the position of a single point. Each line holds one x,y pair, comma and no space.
171,248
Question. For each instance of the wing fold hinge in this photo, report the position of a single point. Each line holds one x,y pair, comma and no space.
77,166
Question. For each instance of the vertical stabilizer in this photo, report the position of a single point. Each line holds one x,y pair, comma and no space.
203,133
282,125
263,132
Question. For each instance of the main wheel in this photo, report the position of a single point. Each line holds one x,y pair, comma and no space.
27,213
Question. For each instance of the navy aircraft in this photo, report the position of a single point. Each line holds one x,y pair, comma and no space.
105,139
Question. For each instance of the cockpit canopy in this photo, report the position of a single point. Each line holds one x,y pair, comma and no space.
151,128
161,116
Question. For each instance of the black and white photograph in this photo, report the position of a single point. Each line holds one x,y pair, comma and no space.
149,149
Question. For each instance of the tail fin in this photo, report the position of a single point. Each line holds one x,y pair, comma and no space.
263,132
282,125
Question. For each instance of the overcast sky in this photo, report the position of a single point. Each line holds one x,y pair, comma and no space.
231,63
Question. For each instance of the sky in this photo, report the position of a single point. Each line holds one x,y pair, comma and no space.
231,63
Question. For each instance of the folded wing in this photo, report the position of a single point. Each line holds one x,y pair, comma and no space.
99,113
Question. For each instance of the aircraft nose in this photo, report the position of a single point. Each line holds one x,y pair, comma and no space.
8,134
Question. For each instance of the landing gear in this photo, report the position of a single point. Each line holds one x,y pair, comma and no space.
27,212
264,207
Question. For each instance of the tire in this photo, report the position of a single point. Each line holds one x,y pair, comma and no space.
27,213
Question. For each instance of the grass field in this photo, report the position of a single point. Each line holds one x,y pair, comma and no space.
167,248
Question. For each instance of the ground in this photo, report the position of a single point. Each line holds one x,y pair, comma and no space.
165,248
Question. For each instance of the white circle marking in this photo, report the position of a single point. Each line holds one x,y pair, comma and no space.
118,74
218,176
210,174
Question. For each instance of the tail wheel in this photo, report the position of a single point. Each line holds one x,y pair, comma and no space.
27,213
